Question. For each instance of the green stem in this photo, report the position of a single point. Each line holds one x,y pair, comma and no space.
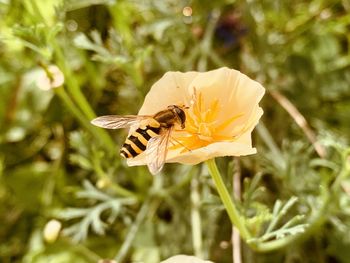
79,98
345,171
230,207
96,132
205,47
72,108
92,256
75,90
196,222
150,204
133,230
71,82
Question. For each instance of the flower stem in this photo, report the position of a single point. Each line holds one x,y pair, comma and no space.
205,47
133,230
230,207
86,252
196,222
151,203
79,102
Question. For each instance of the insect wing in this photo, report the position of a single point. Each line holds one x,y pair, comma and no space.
118,121
156,152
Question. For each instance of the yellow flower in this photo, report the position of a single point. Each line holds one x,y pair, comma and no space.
222,112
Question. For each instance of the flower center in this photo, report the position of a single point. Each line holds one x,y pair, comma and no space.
204,132
203,125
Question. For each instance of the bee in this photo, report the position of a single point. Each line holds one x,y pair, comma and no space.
152,135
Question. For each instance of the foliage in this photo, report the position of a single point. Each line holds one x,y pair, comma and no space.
55,164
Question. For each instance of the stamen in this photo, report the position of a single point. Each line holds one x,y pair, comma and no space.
213,111
228,121
202,125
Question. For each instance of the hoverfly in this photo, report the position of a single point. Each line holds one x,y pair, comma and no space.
152,135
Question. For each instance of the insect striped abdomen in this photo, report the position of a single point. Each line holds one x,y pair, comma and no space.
136,143
158,126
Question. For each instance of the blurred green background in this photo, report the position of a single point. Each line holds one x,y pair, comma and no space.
55,165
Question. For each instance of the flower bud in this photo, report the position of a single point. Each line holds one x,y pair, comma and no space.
52,230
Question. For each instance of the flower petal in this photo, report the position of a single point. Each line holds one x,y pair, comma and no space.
241,147
217,149
171,89
237,94
249,124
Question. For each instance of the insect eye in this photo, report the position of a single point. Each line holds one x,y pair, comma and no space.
181,114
